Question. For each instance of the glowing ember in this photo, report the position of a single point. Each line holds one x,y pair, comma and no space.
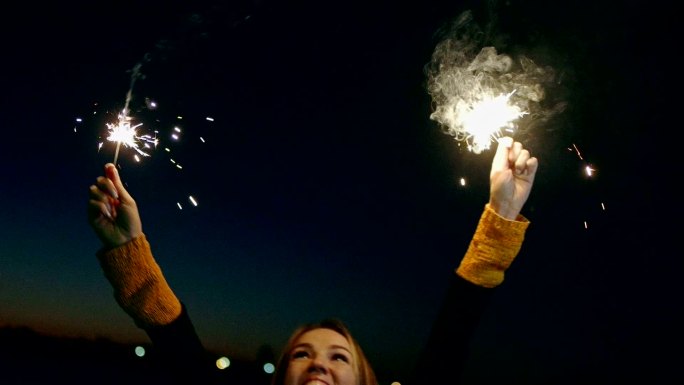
482,121
124,133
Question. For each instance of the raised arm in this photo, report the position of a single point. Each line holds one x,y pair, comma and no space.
139,285
126,260
501,230
495,244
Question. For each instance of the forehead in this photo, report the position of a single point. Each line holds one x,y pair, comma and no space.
323,338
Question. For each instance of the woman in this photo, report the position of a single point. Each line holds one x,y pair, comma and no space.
324,353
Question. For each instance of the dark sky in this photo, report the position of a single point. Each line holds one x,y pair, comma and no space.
324,188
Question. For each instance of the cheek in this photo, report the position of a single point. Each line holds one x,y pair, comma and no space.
293,372
345,375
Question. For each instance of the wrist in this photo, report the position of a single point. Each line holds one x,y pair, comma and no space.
504,210
118,240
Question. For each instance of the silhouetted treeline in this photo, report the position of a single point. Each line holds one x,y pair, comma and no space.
29,357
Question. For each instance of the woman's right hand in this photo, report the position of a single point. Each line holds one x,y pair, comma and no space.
112,212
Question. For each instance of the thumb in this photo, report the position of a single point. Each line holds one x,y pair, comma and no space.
113,174
500,161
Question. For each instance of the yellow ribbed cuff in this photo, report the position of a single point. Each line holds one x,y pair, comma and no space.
139,285
495,244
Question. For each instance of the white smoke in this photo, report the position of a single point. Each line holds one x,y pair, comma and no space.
464,71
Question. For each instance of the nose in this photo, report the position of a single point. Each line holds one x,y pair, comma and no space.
317,366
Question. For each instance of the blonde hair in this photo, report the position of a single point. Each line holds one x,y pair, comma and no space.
362,368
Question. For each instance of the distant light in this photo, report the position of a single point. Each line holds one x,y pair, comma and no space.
174,136
172,161
179,206
603,206
589,170
209,118
179,117
194,202
269,368
463,182
177,129
139,351
79,120
396,383
223,363
179,166
202,139
153,104
585,225
167,149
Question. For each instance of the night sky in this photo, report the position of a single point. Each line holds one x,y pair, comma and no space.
324,189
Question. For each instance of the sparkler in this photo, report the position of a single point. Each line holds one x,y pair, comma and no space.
481,96
124,133
480,122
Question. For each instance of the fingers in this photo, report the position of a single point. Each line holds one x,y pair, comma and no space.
502,155
105,194
532,165
101,200
520,160
113,176
518,157
105,185
98,207
510,155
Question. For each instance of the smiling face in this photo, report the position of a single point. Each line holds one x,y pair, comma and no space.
321,357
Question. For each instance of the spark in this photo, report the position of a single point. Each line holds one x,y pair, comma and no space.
603,206
179,206
124,133
589,170
577,151
463,182
194,202
175,136
481,122
202,139
209,118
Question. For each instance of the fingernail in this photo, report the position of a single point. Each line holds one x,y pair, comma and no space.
108,212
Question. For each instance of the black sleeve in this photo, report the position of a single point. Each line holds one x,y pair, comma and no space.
444,356
178,355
